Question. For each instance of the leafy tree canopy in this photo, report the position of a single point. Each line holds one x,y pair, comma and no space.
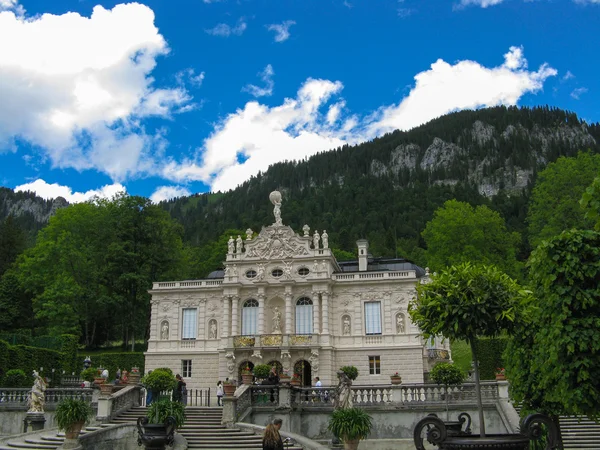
554,204
460,232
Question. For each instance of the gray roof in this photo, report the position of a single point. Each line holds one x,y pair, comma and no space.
383,264
217,274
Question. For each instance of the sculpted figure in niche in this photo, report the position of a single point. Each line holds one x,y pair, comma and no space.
234,271
164,331
260,272
325,239
315,268
36,396
316,238
346,326
276,321
212,334
400,324
230,245
238,244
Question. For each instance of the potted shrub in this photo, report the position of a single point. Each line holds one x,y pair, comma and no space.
159,380
396,378
351,425
447,375
261,371
500,374
71,415
350,371
157,429
296,380
88,374
229,388
247,376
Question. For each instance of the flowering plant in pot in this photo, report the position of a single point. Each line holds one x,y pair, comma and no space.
157,429
296,379
351,425
71,415
229,388
396,378
247,376
500,374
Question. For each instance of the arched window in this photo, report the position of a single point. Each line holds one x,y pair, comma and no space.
249,317
304,316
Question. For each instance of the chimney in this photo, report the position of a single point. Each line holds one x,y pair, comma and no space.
363,251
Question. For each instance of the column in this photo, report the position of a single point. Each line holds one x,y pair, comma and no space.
261,314
235,302
325,306
316,311
225,325
288,312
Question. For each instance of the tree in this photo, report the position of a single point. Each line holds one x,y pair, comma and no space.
459,233
12,243
554,359
554,204
464,302
447,375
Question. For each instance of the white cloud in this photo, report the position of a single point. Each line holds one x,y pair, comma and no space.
189,76
267,78
224,30
578,92
78,87
587,2
12,5
50,191
168,192
348,5
282,31
482,3
256,136
567,76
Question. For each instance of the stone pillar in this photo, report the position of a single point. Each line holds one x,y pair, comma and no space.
225,325
104,408
325,307
235,302
288,312
229,405
316,311
261,314
36,420
285,396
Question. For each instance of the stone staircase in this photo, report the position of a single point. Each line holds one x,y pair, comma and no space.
203,430
580,433
44,440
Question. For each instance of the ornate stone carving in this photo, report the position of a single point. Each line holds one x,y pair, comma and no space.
346,330
260,273
230,357
36,395
166,307
276,242
306,230
256,354
316,238
276,321
271,340
400,323
287,270
249,234
231,245
286,359
164,330
243,341
315,267
239,245
301,339
275,198
314,361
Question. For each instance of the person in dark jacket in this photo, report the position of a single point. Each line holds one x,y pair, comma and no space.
272,438
178,391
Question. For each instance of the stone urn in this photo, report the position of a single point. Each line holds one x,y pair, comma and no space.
295,382
440,435
72,432
106,388
284,379
500,377
156,436
134,378
229,389
247,377
99,381
396,379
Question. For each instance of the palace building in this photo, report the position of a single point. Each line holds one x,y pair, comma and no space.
283,299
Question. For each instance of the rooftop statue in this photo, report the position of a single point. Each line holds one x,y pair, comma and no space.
275,198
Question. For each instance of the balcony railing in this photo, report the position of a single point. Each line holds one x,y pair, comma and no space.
19,396
187,284
366,276
244,341
275,340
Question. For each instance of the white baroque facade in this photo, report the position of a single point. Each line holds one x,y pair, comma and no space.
284,299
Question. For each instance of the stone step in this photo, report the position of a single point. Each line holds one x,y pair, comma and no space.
16,444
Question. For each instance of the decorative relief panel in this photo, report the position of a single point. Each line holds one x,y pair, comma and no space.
276,242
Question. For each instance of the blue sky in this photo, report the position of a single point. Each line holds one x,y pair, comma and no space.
167,98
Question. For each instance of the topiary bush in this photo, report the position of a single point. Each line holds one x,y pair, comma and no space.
350,371
262,370
89,374
159,380
16,378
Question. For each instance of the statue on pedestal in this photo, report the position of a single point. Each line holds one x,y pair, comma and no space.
343,392
275,198
164,331
306,230
36,396
239,244
325,239
249,234
230,245
276,321
316,238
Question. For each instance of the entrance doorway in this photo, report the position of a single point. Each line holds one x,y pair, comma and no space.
303,370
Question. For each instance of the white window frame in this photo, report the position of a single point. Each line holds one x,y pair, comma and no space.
373,318
189,323
375,365
304,316
186,368
250,317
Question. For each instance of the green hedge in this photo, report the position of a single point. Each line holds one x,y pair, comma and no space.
489,352
114,361
68,347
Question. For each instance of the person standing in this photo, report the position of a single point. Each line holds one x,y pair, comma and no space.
272,438
219,393
148,393
178,391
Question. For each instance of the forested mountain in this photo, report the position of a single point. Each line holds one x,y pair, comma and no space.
387,189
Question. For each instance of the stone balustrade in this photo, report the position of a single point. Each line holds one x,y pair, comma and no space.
387,275
275,341
110,406
17,397
192,284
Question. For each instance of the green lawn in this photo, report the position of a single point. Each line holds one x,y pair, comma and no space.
461,355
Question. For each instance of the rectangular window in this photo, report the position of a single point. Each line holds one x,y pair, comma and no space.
186,368
373,317
374,365
249,321
304,319
190,323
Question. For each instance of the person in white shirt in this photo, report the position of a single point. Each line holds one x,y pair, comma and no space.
317,382
319,393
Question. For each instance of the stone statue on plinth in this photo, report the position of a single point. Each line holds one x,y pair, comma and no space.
325,239
343,392
36,396
316,238
231,245
238,244
275,198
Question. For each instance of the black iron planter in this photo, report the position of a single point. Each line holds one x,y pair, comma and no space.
444,437
156,436
455,428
